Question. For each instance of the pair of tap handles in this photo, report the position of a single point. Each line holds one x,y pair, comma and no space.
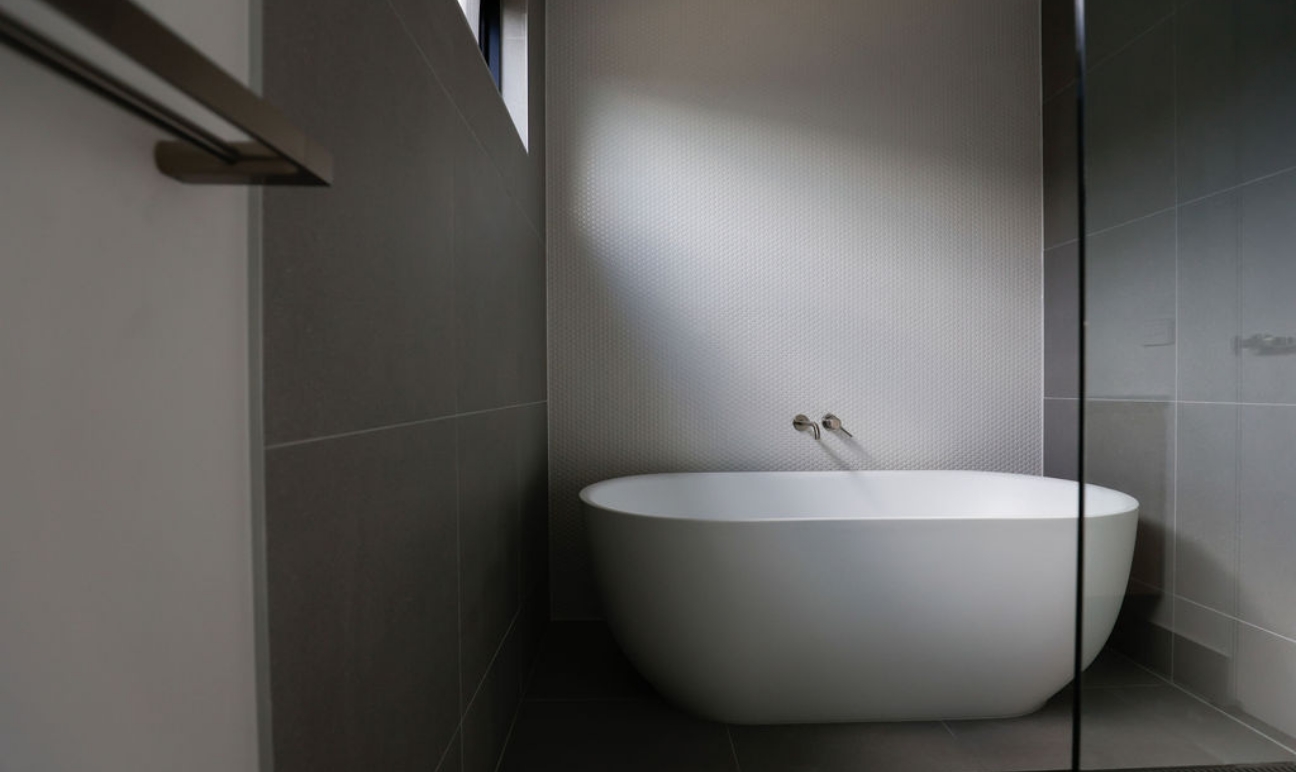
830,422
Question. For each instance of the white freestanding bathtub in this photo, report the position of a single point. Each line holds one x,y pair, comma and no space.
797,597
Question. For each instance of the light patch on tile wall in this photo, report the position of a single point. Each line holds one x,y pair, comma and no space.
759,209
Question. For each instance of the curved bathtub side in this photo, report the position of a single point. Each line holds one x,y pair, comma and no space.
841,620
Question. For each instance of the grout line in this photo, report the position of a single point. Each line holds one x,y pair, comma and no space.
1130,43
1132,220
1207,703
402,425
1167,401
1237,620
1238,371
1232,188
463,706
733,748
458,730
1069,84
441,761
508,736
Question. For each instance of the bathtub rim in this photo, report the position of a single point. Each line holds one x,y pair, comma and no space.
1122,503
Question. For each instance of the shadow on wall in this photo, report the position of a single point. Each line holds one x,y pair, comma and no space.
762,210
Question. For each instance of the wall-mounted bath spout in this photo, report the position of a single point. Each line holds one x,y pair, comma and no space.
803,424
833,424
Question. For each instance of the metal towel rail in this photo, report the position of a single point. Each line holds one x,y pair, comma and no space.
281,154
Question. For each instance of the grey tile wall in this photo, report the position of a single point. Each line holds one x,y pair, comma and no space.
1191,212
406,421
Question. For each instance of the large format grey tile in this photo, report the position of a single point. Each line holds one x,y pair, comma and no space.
532,299
1057,45
1061,438
1129,132
452,761
532,624
1207,516
1129,446
1062,321
358,277
1267,496
532,443
489,542
495,261
1208,312
1061,170
1205,643
627,736
363,602
1236,92
581,661
447,43
1266,666
1130,310
489,716
1268,285
905,747
1113,24
533,201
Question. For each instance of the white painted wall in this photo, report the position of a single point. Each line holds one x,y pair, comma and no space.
758,208
126,602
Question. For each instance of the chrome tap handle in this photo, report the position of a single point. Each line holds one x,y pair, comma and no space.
833,424
803,424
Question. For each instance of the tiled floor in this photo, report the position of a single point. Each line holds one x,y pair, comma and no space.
587,710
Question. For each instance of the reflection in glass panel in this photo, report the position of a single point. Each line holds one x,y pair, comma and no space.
1190,391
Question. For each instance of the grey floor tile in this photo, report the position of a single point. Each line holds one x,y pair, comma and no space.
1266,666
581,661
626,736
901,747
1160,726
1040,741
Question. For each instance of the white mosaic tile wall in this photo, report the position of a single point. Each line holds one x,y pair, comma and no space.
762,208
